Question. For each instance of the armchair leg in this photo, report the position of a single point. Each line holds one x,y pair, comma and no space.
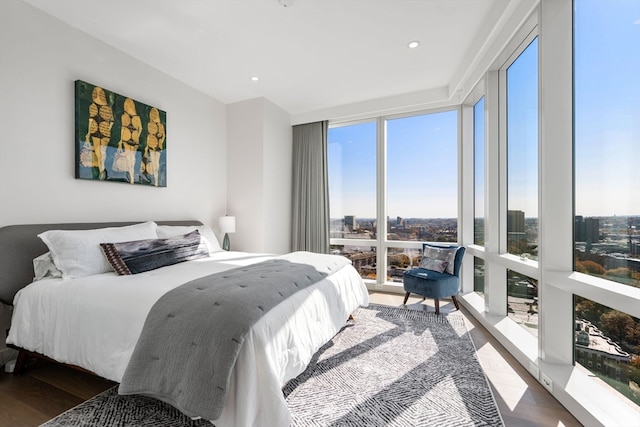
437,301
455,302
406,297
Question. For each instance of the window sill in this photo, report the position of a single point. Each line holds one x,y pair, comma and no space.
589,399
512,336
389,287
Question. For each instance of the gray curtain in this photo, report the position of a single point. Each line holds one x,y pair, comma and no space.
310,201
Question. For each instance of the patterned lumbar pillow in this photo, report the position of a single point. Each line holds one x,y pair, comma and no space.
445,254
433,264
144,255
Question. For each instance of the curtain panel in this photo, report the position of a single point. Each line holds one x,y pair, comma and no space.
310,199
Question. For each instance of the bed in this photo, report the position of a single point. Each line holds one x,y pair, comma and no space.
95,321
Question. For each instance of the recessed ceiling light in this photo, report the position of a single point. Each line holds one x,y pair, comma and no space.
413,44
255,78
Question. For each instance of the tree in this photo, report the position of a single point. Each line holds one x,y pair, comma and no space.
590,267
633,338
617,325
400,260
589,310
622,272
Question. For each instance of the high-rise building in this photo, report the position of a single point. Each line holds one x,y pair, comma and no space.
586,229
578,228
350,223
592,229
515,222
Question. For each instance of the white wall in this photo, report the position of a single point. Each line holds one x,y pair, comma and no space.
244,163
41,57
259,178
277,176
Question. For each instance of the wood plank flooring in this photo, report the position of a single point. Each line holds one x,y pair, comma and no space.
48,389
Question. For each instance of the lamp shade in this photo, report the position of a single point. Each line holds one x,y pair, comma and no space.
227,224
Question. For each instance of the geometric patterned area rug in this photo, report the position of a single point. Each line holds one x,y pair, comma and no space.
395,367
390,367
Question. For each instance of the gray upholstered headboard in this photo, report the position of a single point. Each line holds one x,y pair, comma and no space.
20,244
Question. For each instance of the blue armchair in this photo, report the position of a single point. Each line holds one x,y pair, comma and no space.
438,275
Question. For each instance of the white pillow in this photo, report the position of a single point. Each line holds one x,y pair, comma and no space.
43,266
166,231
77,253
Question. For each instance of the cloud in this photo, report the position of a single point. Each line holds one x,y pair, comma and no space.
636,22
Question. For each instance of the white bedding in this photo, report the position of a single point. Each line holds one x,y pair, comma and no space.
94,322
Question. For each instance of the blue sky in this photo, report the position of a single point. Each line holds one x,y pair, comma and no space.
478,156
421,151
522,132
352,168
421,167
607,107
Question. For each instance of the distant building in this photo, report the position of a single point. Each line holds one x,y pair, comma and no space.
578,226
586,229
599,353
350,223
515,222
363,259
592,229
516,231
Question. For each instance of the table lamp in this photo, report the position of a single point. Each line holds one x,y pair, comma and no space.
227,225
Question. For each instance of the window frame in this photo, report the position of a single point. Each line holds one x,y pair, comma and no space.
552,353
382,243
468,187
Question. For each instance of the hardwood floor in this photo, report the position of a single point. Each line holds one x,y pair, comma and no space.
48,389
44,391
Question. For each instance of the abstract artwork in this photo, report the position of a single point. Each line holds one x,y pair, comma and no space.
119,139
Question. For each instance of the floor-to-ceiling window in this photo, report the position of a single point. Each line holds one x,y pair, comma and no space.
421,185
560,238
352,195
607,140
398,174
607,184
522,152
562,203
522,182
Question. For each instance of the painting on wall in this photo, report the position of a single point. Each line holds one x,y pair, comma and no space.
118,138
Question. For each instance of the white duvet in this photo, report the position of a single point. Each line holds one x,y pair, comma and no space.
94,322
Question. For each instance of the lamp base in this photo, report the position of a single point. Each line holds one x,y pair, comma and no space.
226,245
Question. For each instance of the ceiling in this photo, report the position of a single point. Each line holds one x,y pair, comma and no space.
311,55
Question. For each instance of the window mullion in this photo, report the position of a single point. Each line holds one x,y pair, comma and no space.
495,197
381,179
